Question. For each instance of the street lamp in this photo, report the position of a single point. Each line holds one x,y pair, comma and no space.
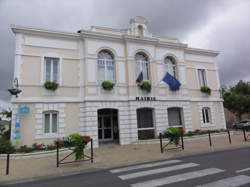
15,90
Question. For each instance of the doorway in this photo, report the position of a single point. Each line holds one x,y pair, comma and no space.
108,125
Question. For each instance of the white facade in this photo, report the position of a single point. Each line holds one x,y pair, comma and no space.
80,98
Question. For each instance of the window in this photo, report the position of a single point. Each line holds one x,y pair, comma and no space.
174,117
142,66
51,69
170,66
140,31
206,115
50,122
202,77
106,66
145,123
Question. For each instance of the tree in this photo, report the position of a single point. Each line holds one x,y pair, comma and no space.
8,115
237,98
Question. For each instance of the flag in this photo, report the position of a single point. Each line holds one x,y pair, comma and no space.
173,83
139,78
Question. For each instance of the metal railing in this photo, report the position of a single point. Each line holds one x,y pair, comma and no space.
164,147
89,158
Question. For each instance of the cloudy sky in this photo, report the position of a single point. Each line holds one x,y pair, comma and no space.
222,25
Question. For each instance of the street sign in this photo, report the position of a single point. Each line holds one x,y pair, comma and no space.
24,110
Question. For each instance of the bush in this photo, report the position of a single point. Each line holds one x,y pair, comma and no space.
38,147
50,85
26,149
107,85
201,132
50,147
173,134
6,135
206,89
145,85
6,147
79,144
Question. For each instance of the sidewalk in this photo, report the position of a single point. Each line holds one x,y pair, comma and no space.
108,156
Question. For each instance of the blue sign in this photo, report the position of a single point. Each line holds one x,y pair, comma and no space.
24,110
17,125
17,134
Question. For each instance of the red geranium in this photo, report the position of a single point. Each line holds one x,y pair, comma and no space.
87,138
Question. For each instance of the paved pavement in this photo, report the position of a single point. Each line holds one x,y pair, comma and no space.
223,168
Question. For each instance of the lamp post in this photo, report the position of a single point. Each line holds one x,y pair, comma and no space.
15,90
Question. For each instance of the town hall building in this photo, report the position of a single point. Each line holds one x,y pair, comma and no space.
115,85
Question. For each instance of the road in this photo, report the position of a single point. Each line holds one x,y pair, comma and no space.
217,169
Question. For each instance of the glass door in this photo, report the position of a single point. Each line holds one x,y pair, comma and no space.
105,128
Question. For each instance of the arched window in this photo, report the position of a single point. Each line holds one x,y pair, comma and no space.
106,70
50,122
140,31
142,66
170,66
206,115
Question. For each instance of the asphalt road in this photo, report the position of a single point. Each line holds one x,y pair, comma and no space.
217,169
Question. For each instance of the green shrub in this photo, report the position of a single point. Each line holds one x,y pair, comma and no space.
79,144
201,132
50,147
206,89
6,135
26,149
6,147
50,85
145,85
107,85
173,134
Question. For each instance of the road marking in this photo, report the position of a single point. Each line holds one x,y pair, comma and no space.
229,182
156,171
178,178
242,170
144,166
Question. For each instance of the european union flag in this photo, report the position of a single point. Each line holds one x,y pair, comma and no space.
173,83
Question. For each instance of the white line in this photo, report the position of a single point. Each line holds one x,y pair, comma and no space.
178,178
229,182
144,166
155,171
242,170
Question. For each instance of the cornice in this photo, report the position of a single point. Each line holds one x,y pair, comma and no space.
97,35
201,51
43,32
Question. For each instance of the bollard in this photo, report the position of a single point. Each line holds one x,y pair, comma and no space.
161,142
57,154
244,133
7,164
182,142
209,135
92,154
229,136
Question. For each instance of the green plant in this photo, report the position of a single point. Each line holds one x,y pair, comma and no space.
50,147
50,85
173,134
206,89
6,135
6,147
79,144
145,85
107,85
26,149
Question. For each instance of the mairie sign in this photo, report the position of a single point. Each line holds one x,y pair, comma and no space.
145,98
24,110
